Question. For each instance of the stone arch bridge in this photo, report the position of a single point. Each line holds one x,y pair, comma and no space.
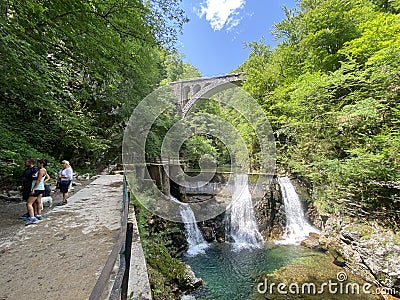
189,91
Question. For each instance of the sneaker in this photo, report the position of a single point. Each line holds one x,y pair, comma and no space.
39,217
31,221
62,203
24,217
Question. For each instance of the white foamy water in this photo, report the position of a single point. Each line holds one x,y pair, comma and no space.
241,223
195,239
297,227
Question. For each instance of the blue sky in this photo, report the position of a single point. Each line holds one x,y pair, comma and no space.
214,38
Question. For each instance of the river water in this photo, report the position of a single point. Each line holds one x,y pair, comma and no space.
232,274
232,270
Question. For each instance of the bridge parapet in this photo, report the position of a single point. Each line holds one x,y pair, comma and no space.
189,91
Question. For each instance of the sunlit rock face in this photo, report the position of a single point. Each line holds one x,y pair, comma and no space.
366,248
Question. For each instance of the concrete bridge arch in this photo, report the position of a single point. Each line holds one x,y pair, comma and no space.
188,92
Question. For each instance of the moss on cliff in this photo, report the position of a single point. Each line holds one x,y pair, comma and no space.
162,242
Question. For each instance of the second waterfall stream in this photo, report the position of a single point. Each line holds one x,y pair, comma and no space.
241,226
297,227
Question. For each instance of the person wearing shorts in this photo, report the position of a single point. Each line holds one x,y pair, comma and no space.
36,193
27,178
65,178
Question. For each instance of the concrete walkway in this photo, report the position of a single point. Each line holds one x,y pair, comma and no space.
62,256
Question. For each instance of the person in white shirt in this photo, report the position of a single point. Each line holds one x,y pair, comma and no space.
65,178
34,204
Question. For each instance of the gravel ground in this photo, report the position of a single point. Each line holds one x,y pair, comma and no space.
11,209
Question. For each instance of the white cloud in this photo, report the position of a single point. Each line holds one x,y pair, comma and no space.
233,22
221,12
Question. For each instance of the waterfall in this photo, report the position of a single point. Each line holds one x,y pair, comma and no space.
195,239
297,227
241,223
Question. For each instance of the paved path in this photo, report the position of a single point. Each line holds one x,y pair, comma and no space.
62,256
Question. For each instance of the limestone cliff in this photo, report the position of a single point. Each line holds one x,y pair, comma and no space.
364,248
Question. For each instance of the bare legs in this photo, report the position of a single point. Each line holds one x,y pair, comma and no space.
29,206
34,205
38,203
64,187
65,196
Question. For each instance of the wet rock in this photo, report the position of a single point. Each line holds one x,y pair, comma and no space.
208,234
213,229
349,237
314,217
367,249
270,213
221,240
220,233
312,242
199,198
194,282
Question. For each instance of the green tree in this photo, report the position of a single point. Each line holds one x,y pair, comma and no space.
176,69
331,92
72,71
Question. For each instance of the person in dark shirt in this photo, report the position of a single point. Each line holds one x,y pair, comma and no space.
27,178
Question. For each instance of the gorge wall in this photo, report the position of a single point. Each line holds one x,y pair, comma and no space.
366,247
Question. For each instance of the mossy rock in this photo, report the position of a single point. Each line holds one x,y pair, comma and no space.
309,278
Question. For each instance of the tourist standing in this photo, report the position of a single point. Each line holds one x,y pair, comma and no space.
37,190
65,178
27,178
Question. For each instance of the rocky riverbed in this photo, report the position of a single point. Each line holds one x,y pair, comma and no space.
364,248
358,246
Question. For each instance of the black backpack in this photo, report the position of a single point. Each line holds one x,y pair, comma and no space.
47,190
29,176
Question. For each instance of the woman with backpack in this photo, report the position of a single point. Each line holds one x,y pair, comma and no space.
27,178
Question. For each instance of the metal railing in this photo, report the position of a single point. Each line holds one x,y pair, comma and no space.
121,249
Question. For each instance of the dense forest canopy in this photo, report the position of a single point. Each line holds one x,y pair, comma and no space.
331,91
72,71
